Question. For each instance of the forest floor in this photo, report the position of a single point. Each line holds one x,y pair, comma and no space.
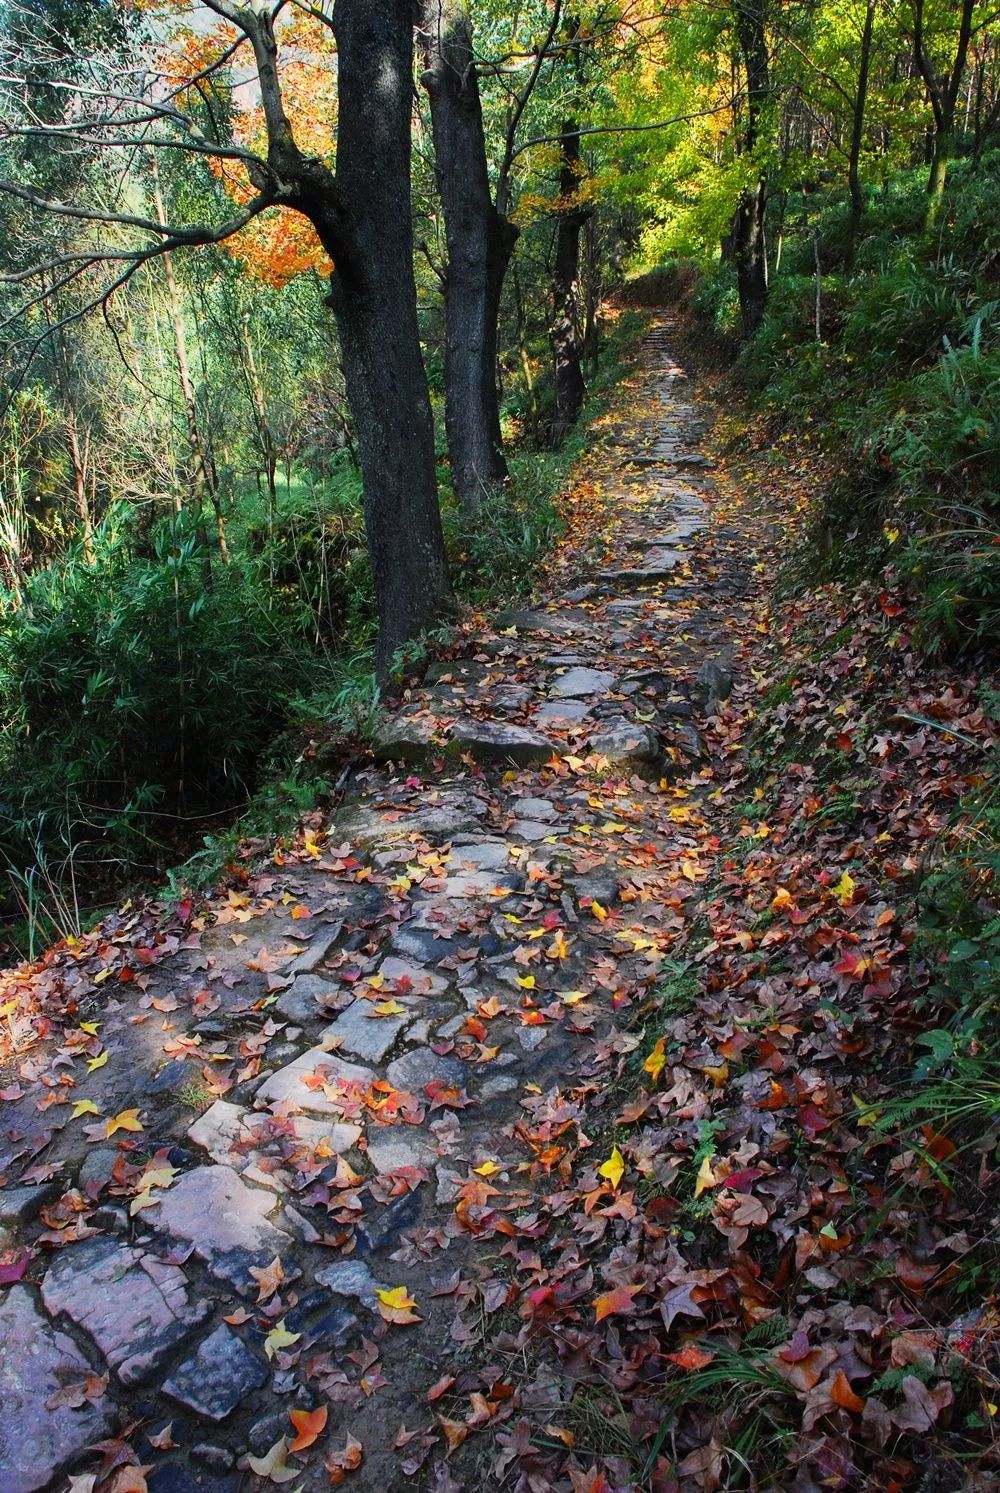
503,1131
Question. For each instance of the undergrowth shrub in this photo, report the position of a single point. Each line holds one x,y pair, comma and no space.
902,386
137,689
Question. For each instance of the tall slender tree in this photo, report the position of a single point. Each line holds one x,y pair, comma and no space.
749,245
480,240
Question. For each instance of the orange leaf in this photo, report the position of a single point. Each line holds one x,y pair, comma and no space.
691,1357
308,1425
441,1387
615,1302
268,1279
843,1395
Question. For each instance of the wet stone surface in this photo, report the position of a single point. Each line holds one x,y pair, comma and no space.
134,1307
217,1377
36,1361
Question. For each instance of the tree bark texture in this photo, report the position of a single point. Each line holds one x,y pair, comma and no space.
480,241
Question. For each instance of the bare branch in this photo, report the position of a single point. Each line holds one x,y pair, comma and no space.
627,129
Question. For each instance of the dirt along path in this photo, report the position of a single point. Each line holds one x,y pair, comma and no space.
249,1156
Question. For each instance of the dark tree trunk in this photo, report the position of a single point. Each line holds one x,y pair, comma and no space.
480,242
567,349
857,133
750,256
749,243
362,218
373,294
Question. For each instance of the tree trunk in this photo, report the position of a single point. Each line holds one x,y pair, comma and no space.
373,294
79,456
750,256
749,243
480,242
938,175
567,350
857,133
943,93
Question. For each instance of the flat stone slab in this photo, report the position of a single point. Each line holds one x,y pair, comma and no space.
37,1360
317,1134
562,712
450,814
19,1205
225,1220
398,1146
499,741
215,1379
135,1307
581,684
217,1130
633,746
405,739
414,940
481,883
533,808
302,1002
363,1034
351,1278
321,943
288,1086
531,830
555,624
488,855
664,557
635,580
421,1066
411,978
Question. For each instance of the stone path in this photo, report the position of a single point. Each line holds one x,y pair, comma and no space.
313,1089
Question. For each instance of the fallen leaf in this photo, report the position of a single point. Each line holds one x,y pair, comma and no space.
272,1464
338,1464
396,1305
614,1168
279,1337
308,1425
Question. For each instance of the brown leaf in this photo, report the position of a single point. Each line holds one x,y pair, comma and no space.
268,1278
339,1464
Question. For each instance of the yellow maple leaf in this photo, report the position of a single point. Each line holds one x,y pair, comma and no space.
279,1337
706,1177
614,1168
395,1296
526,982
126,1119
272,1464
84,1107
599,912
657,1060
844,890
388,1008
558,948
395,1304
94,1063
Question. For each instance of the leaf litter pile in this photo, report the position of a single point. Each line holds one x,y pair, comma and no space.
717,1240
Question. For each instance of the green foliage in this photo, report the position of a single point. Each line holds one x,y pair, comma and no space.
901,386
138,687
